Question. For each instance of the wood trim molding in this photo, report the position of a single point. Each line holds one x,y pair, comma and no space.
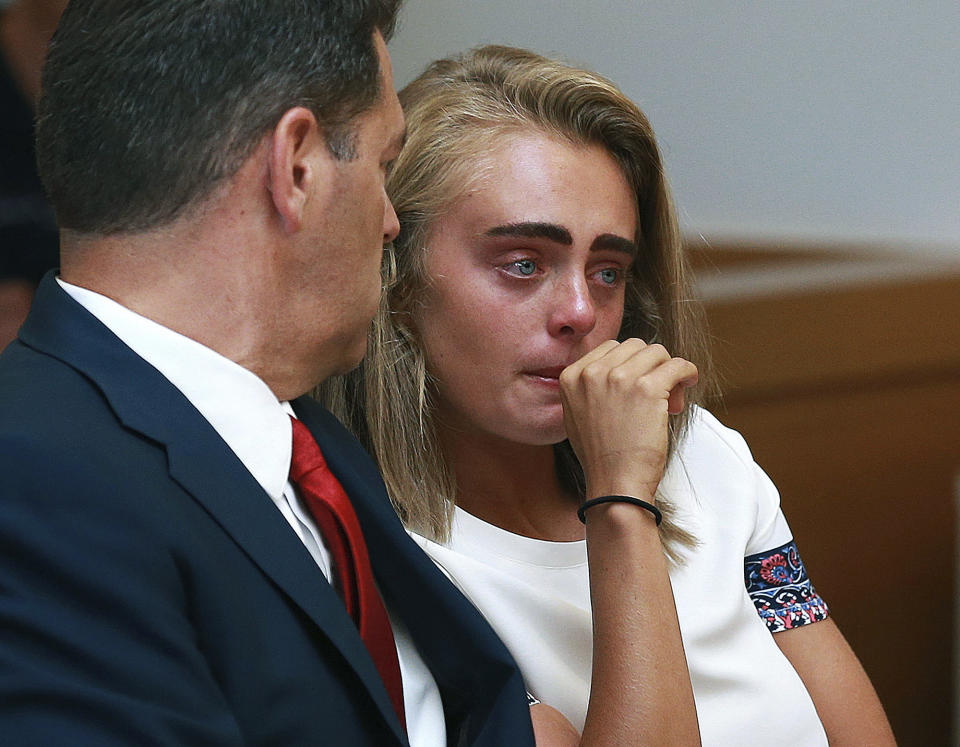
736,271
836,338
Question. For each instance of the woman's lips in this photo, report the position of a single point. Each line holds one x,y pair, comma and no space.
549,375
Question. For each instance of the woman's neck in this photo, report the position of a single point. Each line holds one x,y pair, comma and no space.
512,486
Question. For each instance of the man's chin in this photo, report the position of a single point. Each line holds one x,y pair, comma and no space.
348,356
349,362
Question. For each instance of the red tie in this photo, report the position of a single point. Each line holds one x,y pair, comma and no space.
338,523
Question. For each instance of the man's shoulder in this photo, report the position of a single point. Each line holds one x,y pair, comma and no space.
32,380
31,383
52,415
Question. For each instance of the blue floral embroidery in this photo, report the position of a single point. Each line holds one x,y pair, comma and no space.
779,587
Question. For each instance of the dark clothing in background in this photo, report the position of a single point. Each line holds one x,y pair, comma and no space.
29,242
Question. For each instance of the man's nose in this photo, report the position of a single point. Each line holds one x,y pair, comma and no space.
391,224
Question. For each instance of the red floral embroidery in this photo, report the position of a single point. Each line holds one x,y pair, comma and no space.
773,570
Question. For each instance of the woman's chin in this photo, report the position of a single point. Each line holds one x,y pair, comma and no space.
547,433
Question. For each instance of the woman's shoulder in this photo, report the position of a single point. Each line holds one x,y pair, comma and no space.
706,438
713,479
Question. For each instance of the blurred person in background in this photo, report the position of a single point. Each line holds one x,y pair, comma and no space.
28,232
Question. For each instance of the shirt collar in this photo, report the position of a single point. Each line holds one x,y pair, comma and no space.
235,401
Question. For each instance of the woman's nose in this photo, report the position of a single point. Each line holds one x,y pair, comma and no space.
574,309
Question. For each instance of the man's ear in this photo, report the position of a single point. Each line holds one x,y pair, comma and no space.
298,154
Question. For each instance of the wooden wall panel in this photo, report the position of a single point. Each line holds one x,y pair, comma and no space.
850,399
846,337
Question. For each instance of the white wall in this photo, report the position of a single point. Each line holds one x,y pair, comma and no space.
834,120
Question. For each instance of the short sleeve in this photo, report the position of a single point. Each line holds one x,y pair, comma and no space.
770,526
773,570
774,574
780,589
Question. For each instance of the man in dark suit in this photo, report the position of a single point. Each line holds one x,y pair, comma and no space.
217,170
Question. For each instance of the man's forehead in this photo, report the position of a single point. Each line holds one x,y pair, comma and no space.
396,126
383,54
388,95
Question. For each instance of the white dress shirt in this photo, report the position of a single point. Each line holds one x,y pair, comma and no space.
256,426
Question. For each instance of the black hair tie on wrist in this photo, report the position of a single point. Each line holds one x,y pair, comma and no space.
581,512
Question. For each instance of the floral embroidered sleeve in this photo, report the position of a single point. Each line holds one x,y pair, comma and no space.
780,589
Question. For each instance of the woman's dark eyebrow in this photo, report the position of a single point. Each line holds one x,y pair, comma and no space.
560,235
533,230
616,243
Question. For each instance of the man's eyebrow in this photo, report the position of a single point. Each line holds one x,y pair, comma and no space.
611,241
533,230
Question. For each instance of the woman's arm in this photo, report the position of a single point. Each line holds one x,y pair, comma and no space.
841,691
551,728
616,403
640,691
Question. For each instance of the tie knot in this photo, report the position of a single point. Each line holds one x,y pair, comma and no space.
306,455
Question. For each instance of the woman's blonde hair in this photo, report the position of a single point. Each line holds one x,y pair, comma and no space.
458,111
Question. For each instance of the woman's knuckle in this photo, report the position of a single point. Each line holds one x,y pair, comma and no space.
660,350
618,377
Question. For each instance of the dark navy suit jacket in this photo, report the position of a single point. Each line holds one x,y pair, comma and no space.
151,593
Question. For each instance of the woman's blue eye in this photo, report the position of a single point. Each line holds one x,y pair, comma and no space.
526,266
609,276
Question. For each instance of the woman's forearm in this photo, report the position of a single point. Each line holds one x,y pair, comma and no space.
640,689
616,402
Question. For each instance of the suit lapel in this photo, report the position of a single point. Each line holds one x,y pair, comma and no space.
201,462
467,659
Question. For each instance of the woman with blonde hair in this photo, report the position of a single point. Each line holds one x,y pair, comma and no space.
531,425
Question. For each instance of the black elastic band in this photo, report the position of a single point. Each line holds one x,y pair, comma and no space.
581,512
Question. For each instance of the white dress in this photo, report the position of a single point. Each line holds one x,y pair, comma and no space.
536,596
